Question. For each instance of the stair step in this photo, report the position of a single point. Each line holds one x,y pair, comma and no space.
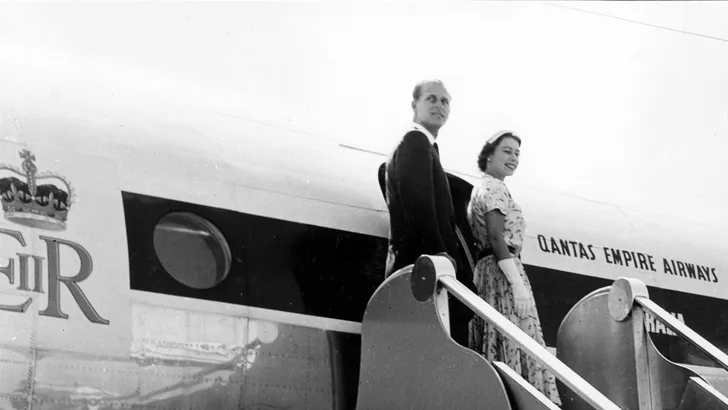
699,394
523,396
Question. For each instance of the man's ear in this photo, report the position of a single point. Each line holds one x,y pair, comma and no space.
414,104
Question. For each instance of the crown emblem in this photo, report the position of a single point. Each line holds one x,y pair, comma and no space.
26,203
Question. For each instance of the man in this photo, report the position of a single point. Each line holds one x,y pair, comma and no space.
422,219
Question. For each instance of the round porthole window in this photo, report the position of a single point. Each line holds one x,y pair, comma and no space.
192,250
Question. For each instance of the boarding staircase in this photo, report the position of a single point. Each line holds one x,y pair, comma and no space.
605,358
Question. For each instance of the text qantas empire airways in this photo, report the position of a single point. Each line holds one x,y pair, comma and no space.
627,258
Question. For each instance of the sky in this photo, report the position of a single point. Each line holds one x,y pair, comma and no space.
625,103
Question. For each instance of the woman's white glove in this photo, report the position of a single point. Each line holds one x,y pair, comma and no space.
520,293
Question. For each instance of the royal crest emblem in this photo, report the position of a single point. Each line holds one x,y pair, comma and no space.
26,203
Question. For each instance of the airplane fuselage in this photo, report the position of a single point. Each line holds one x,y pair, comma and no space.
206,261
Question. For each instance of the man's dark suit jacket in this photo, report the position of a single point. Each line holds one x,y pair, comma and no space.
422,219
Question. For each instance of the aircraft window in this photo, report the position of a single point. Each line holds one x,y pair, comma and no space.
192,250
274,264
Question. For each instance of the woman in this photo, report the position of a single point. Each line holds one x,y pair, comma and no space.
498,226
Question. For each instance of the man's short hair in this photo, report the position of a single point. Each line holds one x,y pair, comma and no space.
417,92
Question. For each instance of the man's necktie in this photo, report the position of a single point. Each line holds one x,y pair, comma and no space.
436,148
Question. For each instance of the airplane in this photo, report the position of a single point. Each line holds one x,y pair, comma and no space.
159,253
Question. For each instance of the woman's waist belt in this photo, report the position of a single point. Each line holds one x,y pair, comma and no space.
489,251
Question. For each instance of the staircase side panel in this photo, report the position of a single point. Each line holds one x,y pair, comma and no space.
409,361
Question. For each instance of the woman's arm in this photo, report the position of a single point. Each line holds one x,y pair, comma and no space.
495,222
495,225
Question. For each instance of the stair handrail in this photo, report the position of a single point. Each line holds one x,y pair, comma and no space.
431,271
625,292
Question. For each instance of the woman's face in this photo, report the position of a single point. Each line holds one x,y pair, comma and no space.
504,160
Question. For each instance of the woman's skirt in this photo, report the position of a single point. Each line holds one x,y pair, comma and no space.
495,289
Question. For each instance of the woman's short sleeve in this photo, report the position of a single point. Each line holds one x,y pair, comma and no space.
493,194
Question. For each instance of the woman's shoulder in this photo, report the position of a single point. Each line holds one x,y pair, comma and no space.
489,183
490,190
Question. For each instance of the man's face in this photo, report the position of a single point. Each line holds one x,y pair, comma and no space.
433,106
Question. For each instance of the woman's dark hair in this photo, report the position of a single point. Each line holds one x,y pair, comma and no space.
490,147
